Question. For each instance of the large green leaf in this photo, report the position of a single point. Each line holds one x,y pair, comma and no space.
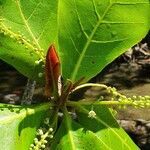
18,125
72,136
105,128
100,133
34,21
87,33
94,32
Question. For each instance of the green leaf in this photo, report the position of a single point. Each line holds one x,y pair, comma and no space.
106,128
18,125
102,133
31,23
72,136
87,33
92,33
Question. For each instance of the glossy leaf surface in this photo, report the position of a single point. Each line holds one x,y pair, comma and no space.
88,34
18,125
106,128
102,132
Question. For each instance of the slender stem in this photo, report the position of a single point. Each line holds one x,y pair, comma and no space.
65,111
88,85
67,116
54,118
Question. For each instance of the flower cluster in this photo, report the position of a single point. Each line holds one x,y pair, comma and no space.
43,134
141,101
123,101
41,140
92,114
21,39
112,91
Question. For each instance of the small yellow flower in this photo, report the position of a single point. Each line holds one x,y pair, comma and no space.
92,114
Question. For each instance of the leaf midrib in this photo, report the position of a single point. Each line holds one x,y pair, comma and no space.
74,74
106,125
69,132
26,24
71,136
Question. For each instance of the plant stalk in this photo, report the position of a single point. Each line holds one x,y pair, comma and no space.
89,85
28,93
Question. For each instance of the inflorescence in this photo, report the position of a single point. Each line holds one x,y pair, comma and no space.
114,99
92,114
42,137
21,39
135,101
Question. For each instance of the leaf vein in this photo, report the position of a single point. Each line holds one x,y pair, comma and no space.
74,45
42,32
106,125
130,3
112,22
109,41
105,144
95,8
26,24
33,11
80,23
74,74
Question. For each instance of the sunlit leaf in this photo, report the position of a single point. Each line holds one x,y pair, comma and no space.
18,125
100,133
106,128
88,34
